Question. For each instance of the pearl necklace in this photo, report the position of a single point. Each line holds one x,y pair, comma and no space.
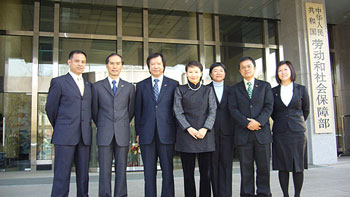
200,84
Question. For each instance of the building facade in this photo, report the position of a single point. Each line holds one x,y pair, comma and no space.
37,36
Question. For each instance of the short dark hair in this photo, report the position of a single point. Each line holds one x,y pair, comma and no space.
154,55
194,64
113,54
216,64
293,76
71,54
244,59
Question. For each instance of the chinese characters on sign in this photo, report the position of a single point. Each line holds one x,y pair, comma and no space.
320,68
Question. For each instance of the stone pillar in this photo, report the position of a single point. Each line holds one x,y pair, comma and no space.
322,147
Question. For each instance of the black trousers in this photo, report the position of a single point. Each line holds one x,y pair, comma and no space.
188,166
260,154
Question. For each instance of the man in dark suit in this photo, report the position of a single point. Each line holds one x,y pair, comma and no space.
251,104
112,109
68,108
222,157
155,125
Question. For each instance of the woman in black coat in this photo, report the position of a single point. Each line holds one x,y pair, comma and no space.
195,110
291,109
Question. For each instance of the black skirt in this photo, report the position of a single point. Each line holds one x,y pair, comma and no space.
289,151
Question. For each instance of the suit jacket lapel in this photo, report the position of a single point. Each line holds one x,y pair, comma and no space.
71,82
243,90
149,88
216,98
295,94
108,86
255,88
163,89
121,85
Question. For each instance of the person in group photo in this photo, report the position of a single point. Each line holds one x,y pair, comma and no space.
195,110
290,111
250,105
113,101
68,108
155,125
221,176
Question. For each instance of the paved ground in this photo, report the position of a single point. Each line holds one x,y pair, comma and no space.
320,181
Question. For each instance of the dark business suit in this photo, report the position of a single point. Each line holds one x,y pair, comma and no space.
289,151
253,145
155,126
224,142
70,116
112,115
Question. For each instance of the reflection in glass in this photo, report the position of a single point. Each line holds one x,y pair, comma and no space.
240,29
46,16
271,67
132,21
16,15
209,56
230,57
15,122
96,51
16,63
45,56
44,131
177,56
88,19
272,32
208,27
172,24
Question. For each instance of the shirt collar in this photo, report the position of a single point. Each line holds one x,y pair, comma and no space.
160,78
251,81
110,81
75,76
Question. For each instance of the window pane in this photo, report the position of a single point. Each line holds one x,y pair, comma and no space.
45,56
271,67
44,131
46,16
209,56
96,51
17,15
16,63
208,27
230,57
132,55
15,115
172,24
272,32
132,21
88,19
240,29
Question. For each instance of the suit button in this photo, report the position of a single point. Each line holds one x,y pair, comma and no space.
156,106
251,106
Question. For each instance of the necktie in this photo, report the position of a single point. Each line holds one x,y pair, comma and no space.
156,88
114,87
250,89
81,85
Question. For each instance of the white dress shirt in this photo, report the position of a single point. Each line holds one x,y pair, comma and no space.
251,81
219,89
286,93
159,82
110,82
78,79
